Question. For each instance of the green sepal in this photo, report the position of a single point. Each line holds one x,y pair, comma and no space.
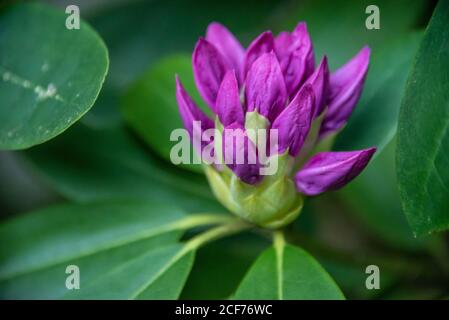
253,122
272,203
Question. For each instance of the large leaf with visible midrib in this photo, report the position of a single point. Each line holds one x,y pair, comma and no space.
50,76
423,131
290,273
118,247
157,274
62,232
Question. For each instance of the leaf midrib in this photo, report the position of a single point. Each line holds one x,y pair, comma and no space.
279,245
144,234
180,254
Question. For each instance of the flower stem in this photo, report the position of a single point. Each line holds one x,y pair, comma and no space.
278,238
199,220
216,233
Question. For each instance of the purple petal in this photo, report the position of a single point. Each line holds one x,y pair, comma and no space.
303,35
346,86
243,161
189,111
265,88
264,43
228,106
283,43
331,170
228,45
295,54
319,81
293,124
209,68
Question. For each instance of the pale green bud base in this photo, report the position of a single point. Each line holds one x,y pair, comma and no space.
253,123
271,204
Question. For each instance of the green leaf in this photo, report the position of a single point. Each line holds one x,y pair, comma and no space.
123,249
64,232
374,121
49,282
87,165
170,279
423,131
157,274
150,105
50,76
287,272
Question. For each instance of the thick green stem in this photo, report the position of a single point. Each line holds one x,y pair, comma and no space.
200,220
278,238
216,233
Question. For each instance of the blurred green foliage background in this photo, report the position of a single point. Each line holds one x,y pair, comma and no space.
119,149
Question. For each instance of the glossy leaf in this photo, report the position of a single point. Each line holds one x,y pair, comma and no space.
60,233
50,75
122,249
290,273
423,134
49,283
156,274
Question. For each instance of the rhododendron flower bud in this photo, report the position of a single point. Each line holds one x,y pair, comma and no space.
273,86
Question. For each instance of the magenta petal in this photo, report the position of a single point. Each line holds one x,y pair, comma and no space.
228,45
241,157
282,43
319,81
293,124
295,54
228,106
304,38
189,110
264,43
331,170
209,68
265,88
346,86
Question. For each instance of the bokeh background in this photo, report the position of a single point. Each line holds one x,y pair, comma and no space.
110,155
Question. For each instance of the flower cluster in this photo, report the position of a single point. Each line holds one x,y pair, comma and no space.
274,84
